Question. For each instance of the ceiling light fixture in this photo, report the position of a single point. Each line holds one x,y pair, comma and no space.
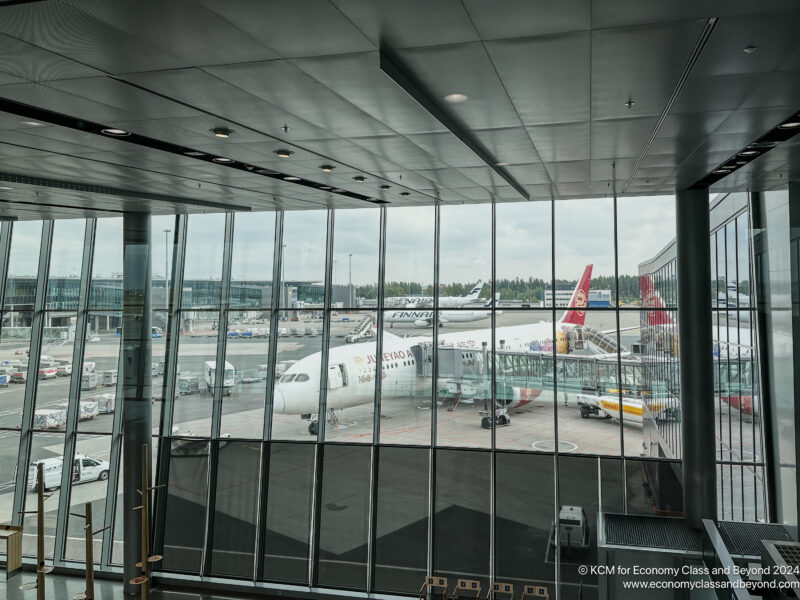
33,123
385,187
325,187
789,125
404,194
115,132
721,171
284,153
750,49
456,98
222,160
748,153
194,153
222,132
291,178
501,164
337,191
327,168
359,178
5,188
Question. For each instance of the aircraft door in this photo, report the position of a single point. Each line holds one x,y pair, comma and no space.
337,376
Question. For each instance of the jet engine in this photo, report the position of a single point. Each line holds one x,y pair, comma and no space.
421,323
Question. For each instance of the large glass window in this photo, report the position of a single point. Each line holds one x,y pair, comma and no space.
304,249
288,525
355,258
202,273
344,516
235,509
251,260
402,519
409,257
106,290
185,515
23,265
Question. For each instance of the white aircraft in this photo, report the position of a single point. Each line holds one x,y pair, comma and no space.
352,368
444,301
424,318
732,344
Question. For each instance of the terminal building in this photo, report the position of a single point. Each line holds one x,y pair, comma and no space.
367,299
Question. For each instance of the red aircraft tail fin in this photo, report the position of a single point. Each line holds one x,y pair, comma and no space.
576,315
651,299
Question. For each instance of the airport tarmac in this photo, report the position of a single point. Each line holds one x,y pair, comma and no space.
551,421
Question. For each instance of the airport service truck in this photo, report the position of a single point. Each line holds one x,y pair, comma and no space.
209,372
84,468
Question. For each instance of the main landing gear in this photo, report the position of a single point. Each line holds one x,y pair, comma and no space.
501,418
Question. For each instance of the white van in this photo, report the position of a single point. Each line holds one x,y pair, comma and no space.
209,371
84,468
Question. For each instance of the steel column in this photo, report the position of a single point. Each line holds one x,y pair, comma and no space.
136,374
696,357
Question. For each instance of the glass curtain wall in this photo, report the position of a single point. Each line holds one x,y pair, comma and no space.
354,398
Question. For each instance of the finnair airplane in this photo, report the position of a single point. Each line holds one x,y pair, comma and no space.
351,368
444,301
424,318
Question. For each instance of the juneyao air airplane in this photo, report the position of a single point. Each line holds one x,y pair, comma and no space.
351,368
444,301
730,343
424,318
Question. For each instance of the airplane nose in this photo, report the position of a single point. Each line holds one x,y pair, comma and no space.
278,403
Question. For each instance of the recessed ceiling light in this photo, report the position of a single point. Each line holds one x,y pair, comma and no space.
404,194
359,178
750,49
222,159
337,191
789,125
115,132
324,187
284,153
194,153
501,164
327,168
762,145
291,178
385,187
5,187
749,153
222,132
266,172
33,123
456,98
720,171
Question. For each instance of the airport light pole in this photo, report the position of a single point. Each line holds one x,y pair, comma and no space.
350,277
167,231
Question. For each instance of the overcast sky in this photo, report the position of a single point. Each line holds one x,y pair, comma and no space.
584,233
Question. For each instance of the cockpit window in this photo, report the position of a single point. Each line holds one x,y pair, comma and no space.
287,378
302,377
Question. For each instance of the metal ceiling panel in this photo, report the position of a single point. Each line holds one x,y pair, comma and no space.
531,174
715,93
206,92
448,147
781,88
358,79
463,69
410,23
544,90
615,13
197,35
522,18
294,29
561,142
773,36
69,32
569,172
281,83
621,138
642,64
56,100
112,92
